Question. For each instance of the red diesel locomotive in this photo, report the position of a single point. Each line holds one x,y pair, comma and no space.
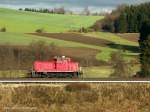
59,67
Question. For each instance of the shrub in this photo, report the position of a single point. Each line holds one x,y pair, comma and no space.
3,29
83,30
74,87
40,30
120,66
87,96
20,9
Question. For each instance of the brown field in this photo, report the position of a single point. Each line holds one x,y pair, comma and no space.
76,38
102,97
78,52
85,56
134,37
75,52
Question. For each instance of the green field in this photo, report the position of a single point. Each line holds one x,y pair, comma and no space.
20,21
26,39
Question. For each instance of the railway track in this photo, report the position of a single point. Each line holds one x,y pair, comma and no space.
56,80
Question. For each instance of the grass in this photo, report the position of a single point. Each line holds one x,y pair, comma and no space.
88,72
113,38
101,97
13,74
97,72
26,39
104,71
23,22
106,51
134,37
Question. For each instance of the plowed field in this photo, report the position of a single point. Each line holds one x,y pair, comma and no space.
76,38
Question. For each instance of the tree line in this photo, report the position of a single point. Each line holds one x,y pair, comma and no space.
125,19
22,57
86,11
45,10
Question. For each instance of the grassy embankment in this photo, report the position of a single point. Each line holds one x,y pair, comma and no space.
125,97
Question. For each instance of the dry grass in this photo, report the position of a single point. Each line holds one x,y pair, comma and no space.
14,74
102,97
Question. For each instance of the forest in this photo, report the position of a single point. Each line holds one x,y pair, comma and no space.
125,19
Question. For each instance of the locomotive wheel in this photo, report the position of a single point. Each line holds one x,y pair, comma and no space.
36,75
55,75
76,75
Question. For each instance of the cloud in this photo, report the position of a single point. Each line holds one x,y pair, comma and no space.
95,5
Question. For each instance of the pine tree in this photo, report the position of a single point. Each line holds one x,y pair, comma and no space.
145,48
122,23
133,16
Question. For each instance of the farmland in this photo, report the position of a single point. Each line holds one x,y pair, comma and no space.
105,42
26,39
58,30
105,97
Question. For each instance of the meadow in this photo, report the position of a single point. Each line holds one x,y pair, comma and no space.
26,22
79,97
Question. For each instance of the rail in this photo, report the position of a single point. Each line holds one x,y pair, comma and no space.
55,80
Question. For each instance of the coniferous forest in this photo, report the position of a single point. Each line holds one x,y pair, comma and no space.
125,19
132,17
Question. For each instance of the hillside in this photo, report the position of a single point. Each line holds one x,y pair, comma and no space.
20,21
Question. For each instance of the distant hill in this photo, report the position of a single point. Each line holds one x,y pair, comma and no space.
20,21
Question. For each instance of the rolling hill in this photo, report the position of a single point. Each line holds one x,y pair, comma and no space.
19,24
21,21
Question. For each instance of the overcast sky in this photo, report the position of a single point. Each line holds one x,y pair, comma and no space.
77,5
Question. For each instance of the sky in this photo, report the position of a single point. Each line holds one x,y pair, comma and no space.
74,5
